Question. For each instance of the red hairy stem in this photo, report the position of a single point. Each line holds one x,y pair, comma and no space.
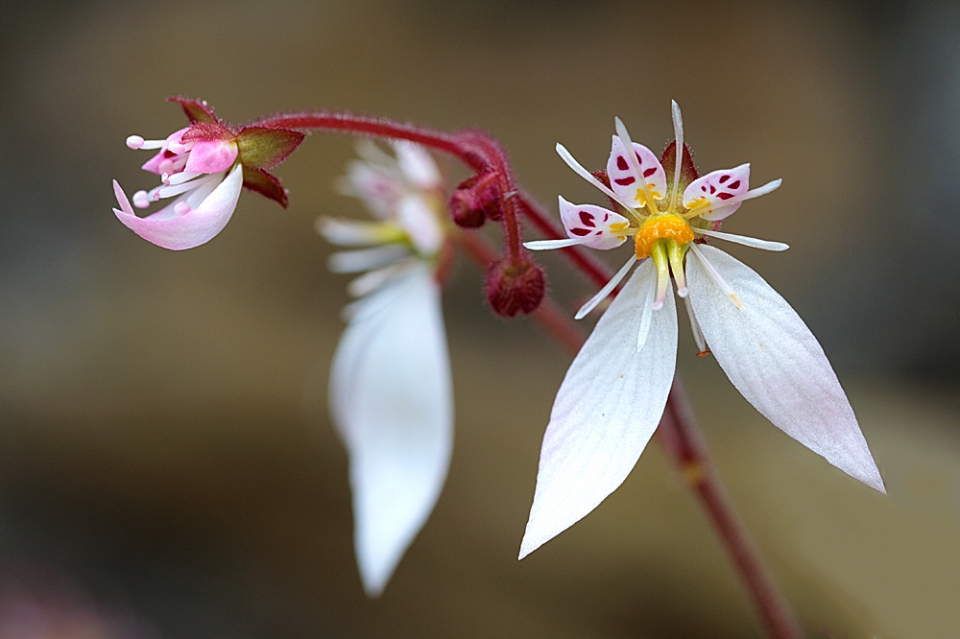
498,158
381,128
683,442
677,432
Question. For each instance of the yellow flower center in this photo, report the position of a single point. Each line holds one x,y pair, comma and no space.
669,226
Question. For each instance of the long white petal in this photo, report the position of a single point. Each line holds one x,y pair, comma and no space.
752,242
776,363
390,398
606,410
604,292
549,245
366,259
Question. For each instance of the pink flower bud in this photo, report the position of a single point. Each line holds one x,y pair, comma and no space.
515,286
475,200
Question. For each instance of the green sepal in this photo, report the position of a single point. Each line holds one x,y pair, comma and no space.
265,184
195,110
263,148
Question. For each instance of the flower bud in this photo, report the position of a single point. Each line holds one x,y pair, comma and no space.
515,286
475,200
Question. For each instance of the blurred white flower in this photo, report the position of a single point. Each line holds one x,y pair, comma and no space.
614,393
390,390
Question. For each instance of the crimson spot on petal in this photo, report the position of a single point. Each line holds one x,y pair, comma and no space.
724,178
580,232
622,163
725,196
735,185
625,181
650,171
586,218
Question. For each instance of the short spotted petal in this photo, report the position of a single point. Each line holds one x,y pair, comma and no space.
718,194
625,181
594,226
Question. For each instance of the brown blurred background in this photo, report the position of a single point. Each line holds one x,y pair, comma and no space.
165,454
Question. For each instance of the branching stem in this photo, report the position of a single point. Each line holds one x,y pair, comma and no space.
678,432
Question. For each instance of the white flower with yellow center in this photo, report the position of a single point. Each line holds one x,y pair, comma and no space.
614,393
390,390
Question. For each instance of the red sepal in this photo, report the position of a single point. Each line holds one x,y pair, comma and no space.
688,172
195,110
263,148
265,184
207,131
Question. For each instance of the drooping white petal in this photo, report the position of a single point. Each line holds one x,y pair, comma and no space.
776,363
606,410
390,397
596,226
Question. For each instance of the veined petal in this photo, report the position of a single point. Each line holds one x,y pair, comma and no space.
709,194
626,182
391,400
365,259
374,185
197,226
349,232
776,363
606,410
595,226
417,165
420,222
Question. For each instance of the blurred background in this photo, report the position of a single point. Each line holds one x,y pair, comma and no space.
167,467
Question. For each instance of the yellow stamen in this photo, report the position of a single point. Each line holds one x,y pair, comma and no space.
661,227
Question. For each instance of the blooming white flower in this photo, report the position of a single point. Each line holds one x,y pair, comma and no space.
390,388
614,393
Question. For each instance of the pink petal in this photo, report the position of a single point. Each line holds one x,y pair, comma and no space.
211,156
625,181
594,226
715,189
198,226
153,164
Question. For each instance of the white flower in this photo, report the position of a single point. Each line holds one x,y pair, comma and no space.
614,393
390,390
